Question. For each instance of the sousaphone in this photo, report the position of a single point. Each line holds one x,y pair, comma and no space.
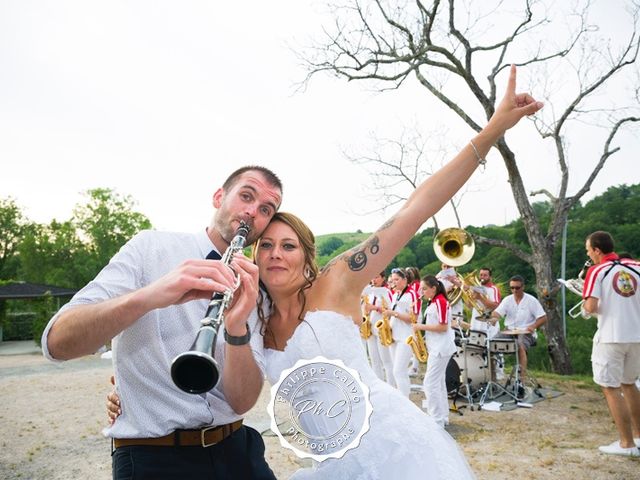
454,247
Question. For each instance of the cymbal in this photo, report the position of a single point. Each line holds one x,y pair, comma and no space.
482,318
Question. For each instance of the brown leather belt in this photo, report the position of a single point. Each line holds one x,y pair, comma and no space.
204,437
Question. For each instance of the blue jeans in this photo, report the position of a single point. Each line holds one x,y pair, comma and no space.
239,456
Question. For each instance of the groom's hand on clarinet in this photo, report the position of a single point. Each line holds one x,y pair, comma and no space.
244,298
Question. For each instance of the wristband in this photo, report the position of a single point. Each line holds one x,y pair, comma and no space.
241,340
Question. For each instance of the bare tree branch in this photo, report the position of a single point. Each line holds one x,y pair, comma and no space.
518,252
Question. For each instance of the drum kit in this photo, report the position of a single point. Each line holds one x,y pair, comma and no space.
470,372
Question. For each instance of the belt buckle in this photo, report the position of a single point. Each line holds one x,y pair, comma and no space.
202,434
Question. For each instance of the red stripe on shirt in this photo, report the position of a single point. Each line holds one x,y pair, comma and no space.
590,278
441,306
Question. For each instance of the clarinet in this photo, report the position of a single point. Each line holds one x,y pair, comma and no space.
196,370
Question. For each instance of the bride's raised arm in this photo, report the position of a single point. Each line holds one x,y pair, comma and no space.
353,269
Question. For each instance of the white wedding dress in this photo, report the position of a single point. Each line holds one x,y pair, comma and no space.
403,441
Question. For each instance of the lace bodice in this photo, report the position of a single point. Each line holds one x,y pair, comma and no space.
325,333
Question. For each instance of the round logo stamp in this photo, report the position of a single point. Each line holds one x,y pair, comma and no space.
320,408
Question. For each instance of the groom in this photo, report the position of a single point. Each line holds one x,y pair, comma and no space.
143,300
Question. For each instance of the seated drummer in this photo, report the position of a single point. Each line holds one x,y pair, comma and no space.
524,313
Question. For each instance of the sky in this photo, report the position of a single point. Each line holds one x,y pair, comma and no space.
161,100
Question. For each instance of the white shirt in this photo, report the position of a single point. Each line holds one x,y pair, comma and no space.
619,301
456,308
381,296
493,294
152,406
400,329
439,343
520,315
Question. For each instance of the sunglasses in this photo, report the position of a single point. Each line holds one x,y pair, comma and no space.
515,288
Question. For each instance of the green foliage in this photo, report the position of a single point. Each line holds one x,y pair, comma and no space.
330,245
579,340
55,255
108,221
43,309
12,225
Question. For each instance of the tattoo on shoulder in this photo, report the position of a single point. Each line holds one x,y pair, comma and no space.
357,260
325,270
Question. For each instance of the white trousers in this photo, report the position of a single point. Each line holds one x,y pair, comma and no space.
387,363
401,354
373,347
435,388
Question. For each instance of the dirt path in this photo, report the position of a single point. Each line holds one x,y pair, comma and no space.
51,417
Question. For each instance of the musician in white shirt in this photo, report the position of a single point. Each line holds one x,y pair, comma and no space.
522,312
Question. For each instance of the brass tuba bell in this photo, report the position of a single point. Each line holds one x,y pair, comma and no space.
454,247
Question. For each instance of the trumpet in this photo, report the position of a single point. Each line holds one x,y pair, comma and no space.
196,371
384,327
365,326
576,285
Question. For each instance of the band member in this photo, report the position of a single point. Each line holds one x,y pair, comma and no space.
449,278
441,345
402,312
413,277
611,291
488,294
523,312
378,295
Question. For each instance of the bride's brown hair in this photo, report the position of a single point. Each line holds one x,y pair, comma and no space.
310,271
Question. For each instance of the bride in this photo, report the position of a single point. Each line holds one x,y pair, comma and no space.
310,312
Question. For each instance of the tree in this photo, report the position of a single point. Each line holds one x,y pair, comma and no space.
12,225
106,222
457,50
55,255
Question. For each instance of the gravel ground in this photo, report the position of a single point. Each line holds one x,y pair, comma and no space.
52,416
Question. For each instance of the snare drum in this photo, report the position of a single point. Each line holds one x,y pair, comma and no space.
502,345
477,340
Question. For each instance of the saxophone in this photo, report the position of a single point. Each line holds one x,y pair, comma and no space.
365,326
384,327
415,341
